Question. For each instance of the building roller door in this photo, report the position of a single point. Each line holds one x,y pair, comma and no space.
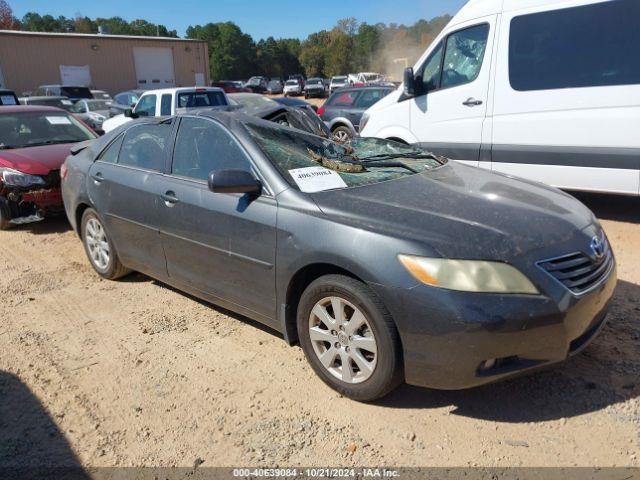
154,67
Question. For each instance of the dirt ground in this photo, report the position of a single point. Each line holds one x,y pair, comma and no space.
135,373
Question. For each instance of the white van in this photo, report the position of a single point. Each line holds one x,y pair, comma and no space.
543,89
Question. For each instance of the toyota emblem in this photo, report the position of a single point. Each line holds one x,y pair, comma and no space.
597,247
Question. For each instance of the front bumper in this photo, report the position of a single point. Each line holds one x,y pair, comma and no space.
31,204
456,340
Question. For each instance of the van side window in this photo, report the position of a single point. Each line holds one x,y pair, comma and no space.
463,55
430,72
588,46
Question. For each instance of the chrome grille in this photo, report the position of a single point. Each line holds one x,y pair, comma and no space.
580,272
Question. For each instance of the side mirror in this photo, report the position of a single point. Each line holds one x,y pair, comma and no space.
130,113
234,181
410,87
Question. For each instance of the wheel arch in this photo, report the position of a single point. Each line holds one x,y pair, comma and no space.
80,209
297,285
342,122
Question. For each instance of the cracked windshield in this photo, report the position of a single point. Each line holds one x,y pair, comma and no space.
361,162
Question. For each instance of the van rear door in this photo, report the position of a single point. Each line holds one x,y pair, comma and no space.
449,118
567,95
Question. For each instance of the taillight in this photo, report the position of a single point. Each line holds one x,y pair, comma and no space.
320,111
63,171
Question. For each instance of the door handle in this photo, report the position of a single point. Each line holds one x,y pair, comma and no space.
97,178
169,198
472,102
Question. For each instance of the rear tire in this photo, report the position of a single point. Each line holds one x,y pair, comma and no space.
342,134
99,247
363,338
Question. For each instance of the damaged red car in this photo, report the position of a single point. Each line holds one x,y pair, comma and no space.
34,142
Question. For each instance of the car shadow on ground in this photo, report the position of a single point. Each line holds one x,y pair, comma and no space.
57,224
606,373
31,444
136,277
619,208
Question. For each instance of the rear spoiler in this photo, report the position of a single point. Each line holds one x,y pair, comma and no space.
78,147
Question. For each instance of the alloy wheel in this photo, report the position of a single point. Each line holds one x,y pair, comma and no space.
341,136
343,340
97,244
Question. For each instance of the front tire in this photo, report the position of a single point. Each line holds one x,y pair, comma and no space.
349,338
5,214
99,247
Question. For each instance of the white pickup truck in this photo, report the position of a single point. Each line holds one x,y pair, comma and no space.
165,102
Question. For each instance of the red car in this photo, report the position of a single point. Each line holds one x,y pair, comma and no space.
34,142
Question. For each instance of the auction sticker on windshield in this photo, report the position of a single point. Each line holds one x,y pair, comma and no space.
58,120
316,179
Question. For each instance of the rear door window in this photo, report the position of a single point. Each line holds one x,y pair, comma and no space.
144,146
587,46
201,99
165,104
369,97
344,99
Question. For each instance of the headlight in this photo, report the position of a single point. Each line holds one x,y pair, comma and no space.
468,275
19,179
96,117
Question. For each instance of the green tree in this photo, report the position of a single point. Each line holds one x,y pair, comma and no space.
367,42
232,53
313,51
279,58
339,54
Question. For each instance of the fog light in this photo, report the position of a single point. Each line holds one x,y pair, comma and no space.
488,364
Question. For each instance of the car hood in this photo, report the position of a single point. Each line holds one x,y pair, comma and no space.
463,212
35,160
104,113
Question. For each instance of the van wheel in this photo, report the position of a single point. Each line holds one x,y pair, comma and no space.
342,134
99,248
349,338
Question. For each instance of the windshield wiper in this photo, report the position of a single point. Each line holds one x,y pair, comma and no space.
380,163
409,155
49,142
383,163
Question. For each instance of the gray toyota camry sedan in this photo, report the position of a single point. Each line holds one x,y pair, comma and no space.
384,262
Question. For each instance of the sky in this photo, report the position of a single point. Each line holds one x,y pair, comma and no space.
259,18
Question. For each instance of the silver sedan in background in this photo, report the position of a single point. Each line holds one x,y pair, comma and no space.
92,112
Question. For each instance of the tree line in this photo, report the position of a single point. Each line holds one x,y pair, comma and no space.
349,47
